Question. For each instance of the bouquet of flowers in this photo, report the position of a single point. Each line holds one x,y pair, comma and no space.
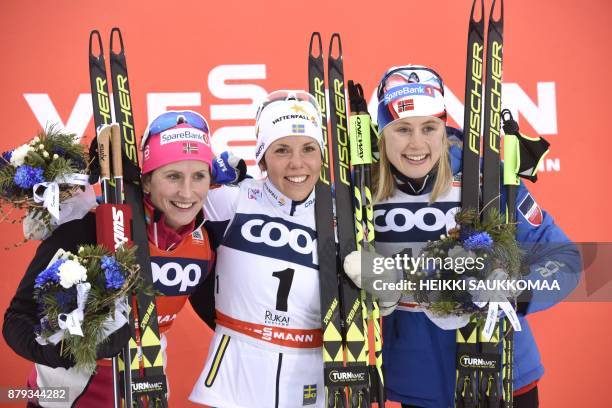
42,174
457,269
82,299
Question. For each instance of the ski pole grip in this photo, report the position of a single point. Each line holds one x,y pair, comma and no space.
116,146
103,138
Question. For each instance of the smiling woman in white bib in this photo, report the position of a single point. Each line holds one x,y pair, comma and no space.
266,351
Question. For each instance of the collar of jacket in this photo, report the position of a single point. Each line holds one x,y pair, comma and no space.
284,203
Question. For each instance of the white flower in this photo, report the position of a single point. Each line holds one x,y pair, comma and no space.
41,146
35,140
55,157
19,154
71,272
45,154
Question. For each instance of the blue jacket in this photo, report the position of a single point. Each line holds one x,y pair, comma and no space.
419,358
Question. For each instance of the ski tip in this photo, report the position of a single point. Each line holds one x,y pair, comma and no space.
482,12
335,39
316,35
112,37
492,20
92,34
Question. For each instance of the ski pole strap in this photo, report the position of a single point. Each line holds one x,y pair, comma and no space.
522,154
356,97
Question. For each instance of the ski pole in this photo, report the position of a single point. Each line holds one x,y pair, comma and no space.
361,160
522,158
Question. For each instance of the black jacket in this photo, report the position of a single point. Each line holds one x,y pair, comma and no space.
21,316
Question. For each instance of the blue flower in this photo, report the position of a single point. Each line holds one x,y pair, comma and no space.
112,272
108,262
26,176
114,279
49,275
479,240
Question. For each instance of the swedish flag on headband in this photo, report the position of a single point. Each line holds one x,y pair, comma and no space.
310,394
298,128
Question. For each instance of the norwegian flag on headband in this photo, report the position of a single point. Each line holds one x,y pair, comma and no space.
405,105
189,148
531,211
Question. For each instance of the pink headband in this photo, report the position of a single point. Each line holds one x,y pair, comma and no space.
181,142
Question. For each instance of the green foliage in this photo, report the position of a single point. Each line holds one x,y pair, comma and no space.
58,167
7,174
35,159
100,303
504,253
58,154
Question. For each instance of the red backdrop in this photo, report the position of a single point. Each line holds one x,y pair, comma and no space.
221,58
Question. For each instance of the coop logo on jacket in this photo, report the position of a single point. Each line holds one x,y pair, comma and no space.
424,222
273,237
177,276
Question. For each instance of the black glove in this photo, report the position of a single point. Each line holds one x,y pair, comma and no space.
112,345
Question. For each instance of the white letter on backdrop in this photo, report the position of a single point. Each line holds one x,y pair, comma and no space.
543,116
217,79
46,114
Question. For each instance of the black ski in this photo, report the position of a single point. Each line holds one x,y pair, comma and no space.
344,336
492,111
477,386
326,243
146,365
490,381
356,337
466,390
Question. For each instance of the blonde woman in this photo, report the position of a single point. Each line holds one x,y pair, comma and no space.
417,194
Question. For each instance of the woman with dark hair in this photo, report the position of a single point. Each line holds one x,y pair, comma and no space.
266,351
176,176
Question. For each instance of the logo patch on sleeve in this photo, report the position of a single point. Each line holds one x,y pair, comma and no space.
197,235
310,394
254,194
531,211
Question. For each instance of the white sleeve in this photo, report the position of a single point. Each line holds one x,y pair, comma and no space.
221,203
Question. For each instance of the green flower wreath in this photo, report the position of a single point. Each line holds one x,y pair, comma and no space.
490,243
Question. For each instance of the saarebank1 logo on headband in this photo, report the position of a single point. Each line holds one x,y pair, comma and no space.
183,135
409,90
